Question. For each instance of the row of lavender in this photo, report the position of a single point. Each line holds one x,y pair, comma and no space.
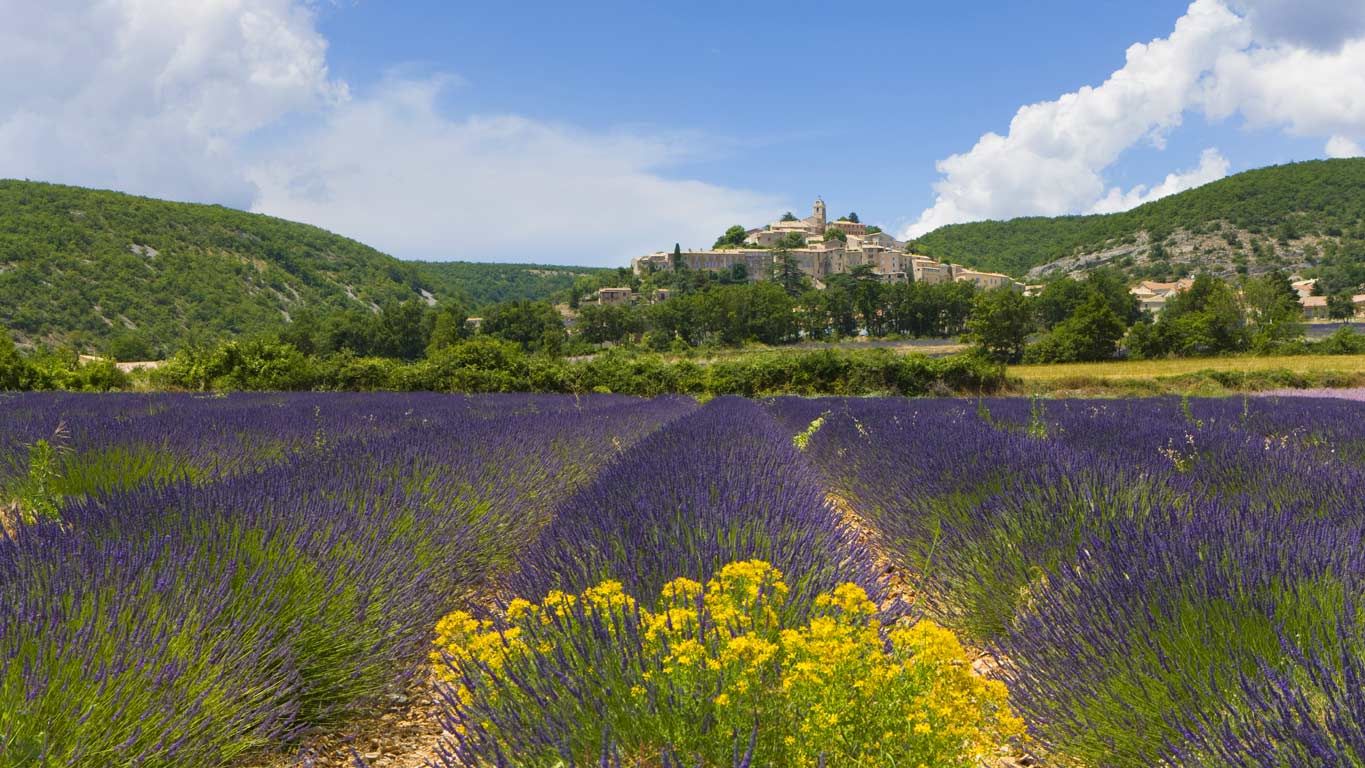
225,573
1164,582
721,486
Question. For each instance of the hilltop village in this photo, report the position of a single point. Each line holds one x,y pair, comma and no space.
820,248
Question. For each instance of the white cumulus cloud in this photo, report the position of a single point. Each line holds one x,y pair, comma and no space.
231,101
394,171
1322,24
1291,65
1343,146
152,96
1212,166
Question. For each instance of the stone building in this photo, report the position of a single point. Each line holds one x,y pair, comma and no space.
615,296
819,256
1152,295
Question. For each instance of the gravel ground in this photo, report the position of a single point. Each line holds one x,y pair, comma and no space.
1357,393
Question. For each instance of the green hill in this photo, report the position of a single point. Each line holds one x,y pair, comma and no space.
85,268
478,285
1301,216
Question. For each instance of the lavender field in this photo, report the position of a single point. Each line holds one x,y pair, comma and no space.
199,581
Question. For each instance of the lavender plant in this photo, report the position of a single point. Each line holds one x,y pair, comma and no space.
1164,582
722,485
191,617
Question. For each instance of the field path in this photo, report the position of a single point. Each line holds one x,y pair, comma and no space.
401,734
405,732
901,590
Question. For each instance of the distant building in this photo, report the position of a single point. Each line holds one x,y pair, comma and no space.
614,296
1314,307
1152,295
819,257
659,261
849,227
986,280
926,270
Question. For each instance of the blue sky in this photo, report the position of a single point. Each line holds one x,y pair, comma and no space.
587,133
772,91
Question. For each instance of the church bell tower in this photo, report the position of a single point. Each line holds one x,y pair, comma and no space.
819,213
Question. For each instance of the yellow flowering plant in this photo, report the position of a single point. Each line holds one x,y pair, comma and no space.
711,674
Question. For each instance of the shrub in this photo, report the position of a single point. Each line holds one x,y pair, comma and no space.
13,369
483,364
1343,341
707,672
96,376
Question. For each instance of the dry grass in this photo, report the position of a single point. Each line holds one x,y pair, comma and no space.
1153,369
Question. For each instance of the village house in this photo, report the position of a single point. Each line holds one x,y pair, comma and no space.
614,296
986,280
819,256
1314,307
1152,295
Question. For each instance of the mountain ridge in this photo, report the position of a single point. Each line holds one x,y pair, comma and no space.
1297,216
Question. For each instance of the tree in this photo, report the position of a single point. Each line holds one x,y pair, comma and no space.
842,310
1000,323
788,216
834,233
351,329
303,331
1114,287
733,238
677,257
449,328
1061,298
766,312
1091,333
873,229
13,368
1058,300
678,318
1205,319
786,272
813,314
130,347
1340,306
1273,311
603,323
868,297
532,324
851,217
791,240
401,330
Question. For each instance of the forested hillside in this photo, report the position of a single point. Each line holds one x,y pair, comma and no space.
1300,216
94,269
477,285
